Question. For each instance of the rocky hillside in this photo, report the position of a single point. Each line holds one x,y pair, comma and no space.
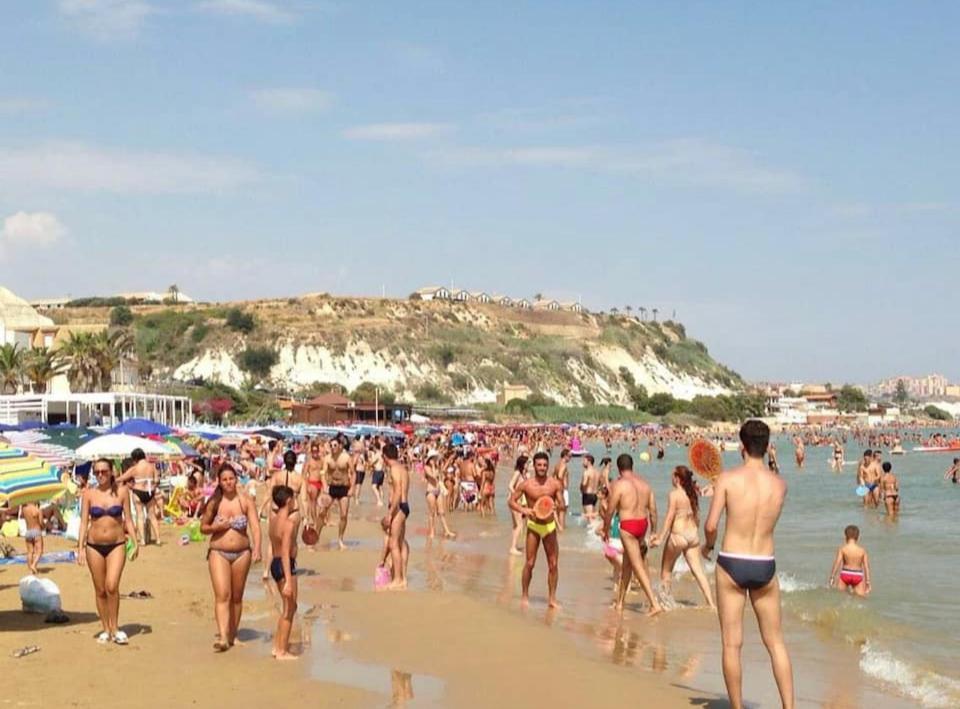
423,350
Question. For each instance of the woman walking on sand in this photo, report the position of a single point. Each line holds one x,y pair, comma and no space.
681,528
230,518
516,479
436,505
105,527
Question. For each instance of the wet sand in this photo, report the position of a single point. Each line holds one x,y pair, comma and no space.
359,648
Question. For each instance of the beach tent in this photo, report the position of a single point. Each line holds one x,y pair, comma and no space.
118,445
141,427
25,478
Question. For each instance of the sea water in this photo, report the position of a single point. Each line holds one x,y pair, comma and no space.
907,629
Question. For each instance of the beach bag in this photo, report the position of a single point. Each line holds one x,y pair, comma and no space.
39,595
11,528
193,530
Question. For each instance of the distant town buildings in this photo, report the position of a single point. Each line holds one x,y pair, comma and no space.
928,387
459,295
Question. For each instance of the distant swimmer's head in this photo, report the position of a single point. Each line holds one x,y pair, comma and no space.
867,454
541,464
755,437
887,467
625,463
852,533
289,461
282,496
390,452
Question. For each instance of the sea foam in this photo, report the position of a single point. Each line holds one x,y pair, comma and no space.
928,688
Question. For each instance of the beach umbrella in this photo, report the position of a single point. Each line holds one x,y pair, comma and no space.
118,445
71,438
48,452
141,427
25,478
268,433
28,425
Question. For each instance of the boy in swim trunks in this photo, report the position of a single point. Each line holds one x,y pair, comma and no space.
539,530
852,564
33,536
283,565
752,496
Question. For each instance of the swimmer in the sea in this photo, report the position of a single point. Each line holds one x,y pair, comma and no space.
852,565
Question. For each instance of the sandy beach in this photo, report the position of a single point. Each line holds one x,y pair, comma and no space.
359,648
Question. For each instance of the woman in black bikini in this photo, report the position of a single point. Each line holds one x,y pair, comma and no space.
105,526
230,517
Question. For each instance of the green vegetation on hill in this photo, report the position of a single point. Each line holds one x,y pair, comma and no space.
459,348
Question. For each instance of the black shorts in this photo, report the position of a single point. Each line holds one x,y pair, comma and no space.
338,492
361,476
588,499
378,478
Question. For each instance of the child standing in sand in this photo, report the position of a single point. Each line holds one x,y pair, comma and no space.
33,536
852,564
283,565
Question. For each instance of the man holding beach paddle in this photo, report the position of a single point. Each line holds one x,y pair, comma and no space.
541,496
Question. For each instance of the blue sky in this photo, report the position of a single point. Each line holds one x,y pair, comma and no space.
782,175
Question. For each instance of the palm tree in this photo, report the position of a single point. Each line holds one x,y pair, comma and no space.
655,311
174,293
628,308
79,351
109,347
41,366
538,297
614,311
643,313
11,368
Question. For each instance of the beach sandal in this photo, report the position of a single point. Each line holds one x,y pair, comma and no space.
103,638
121,638
24,651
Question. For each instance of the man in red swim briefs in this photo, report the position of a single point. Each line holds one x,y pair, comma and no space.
632,498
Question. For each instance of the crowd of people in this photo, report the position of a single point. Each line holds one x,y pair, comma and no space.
258,502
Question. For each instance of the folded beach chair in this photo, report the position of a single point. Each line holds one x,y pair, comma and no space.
173,508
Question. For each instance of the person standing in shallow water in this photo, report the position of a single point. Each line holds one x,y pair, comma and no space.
632,499
752,497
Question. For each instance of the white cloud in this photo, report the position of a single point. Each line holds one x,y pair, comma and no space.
396,131
255,9
686,161
107,19
81,167
15,105
25,230
292,100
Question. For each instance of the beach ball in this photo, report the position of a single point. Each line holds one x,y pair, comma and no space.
645,457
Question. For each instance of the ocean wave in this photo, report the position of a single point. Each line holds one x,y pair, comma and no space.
791,584
928,688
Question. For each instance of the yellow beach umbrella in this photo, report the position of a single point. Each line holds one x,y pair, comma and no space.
25,478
